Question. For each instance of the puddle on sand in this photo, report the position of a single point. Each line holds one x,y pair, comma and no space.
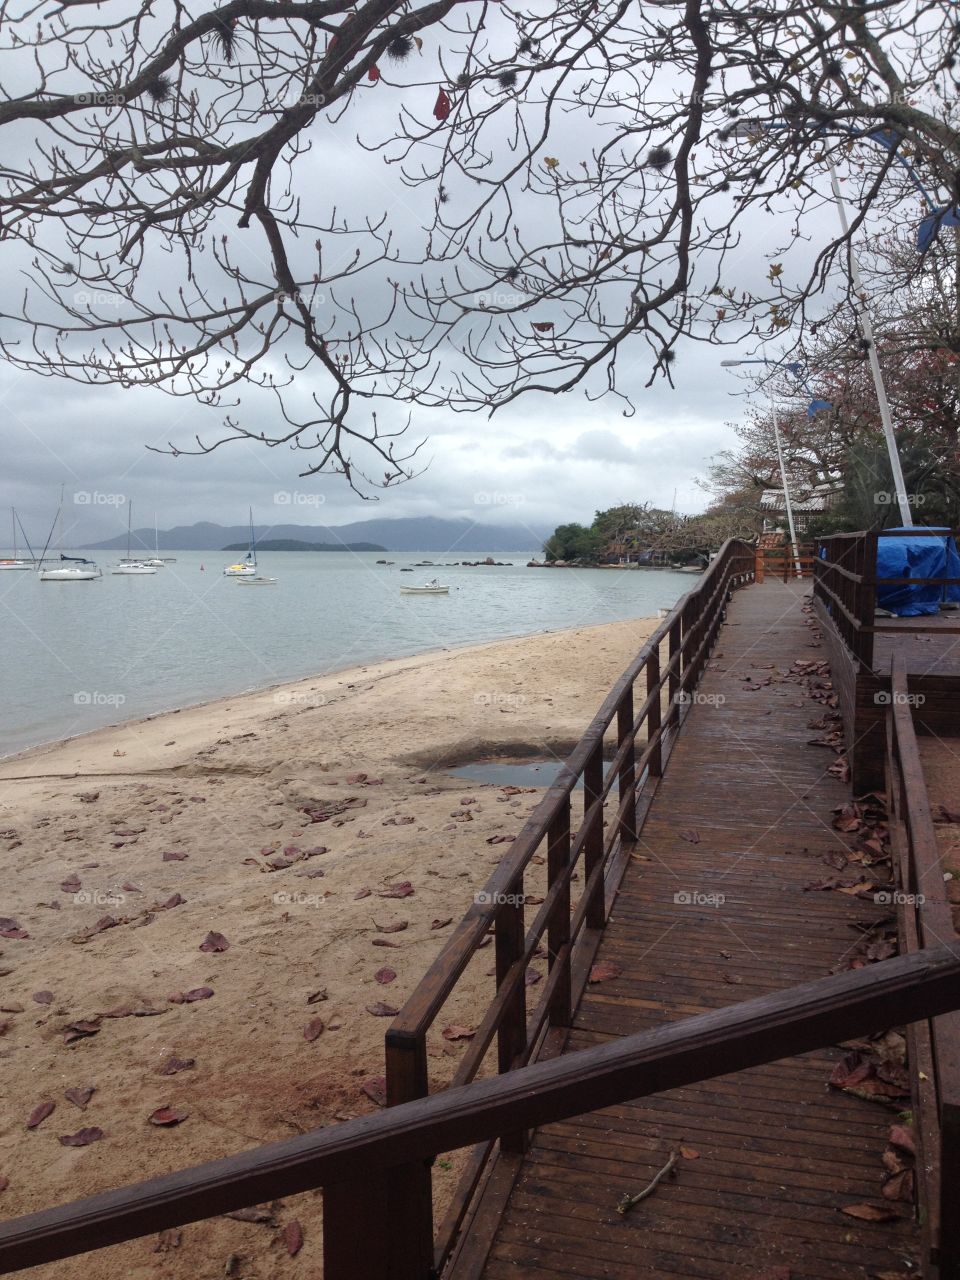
505,773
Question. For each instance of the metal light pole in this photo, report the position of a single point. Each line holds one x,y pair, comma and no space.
729,364
900,487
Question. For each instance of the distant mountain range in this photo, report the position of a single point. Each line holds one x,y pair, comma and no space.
416,533
294,544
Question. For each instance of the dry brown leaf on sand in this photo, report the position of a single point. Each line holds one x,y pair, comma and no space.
293,1237
40,1113
82,1138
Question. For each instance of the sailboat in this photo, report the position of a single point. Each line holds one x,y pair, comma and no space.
155,558
247,567
254,579
70,568
128,566
16,562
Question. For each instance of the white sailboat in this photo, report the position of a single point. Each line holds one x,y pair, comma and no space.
155,559
16,562
247,567
70,568
130,567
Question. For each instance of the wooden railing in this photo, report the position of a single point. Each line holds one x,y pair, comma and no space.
650,697
846,581
924,920
360,1163
782,562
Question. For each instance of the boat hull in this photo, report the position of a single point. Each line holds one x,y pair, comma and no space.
69,575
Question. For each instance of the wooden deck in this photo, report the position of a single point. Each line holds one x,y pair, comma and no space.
935,651
743,812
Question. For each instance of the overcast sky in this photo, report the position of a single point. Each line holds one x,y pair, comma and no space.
542,461
545,460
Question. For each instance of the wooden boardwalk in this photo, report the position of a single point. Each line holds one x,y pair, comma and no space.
773,1154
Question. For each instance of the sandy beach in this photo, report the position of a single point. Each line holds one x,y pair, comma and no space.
201,908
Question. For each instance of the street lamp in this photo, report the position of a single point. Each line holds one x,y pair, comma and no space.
730,364
939,217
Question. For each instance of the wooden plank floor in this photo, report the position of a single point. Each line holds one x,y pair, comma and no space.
779,1152
930,652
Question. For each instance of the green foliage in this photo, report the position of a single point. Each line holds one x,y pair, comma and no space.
573,542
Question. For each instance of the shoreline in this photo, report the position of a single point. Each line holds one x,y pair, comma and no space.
380,665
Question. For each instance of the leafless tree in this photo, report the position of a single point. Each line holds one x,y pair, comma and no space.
177,193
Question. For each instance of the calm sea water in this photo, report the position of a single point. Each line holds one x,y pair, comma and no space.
79,655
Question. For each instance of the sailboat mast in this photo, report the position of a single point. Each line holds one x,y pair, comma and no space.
253,540
129,518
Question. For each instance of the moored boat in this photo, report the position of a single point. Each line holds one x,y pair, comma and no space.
431,588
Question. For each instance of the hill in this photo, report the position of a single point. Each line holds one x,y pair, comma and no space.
293,544
417,533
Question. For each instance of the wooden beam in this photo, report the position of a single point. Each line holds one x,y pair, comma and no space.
725,1040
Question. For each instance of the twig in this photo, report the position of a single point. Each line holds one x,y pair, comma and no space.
627,1203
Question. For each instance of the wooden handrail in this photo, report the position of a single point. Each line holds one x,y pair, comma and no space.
765,1029
926,920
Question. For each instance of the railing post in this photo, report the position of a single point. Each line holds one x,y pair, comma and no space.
512,1032
758,566
867,612
627,781
367,1231
593,843
673,678
948,1253
383,1225
653,714
558,930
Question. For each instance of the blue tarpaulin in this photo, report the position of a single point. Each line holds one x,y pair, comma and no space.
903,553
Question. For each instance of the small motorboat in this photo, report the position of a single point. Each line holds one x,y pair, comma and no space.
254,580
432,588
